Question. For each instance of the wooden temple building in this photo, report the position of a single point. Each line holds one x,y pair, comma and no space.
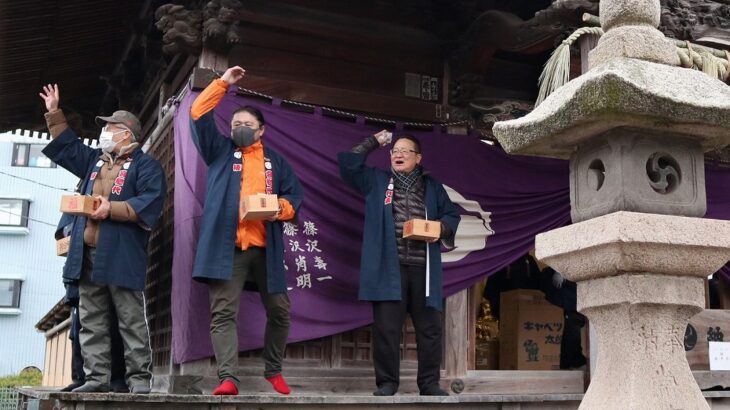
463,63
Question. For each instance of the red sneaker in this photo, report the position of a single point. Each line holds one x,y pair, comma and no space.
279,384
227,388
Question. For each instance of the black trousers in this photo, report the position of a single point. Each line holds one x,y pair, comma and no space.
571,350
389,317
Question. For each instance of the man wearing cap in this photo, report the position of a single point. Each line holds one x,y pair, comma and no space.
108,250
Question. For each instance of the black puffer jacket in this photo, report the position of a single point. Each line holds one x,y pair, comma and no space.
407,205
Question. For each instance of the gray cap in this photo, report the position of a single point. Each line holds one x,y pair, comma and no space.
125,118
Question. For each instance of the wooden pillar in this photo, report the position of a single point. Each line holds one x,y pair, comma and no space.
456,334
724,292
473,303
459,322
587,43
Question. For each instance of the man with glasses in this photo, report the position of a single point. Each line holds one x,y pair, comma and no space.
108,250
401,275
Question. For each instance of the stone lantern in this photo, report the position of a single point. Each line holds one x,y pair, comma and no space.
635,128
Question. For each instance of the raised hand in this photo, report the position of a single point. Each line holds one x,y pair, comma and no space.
384,137
50,96
233,75
558,280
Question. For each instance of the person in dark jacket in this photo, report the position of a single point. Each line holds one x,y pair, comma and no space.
400,275
232,252
108,250
564,293
523,273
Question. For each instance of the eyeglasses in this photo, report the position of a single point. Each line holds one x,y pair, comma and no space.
402,151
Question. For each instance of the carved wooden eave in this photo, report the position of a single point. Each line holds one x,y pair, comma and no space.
705,22
314,55
215,26
497,30
218,26
181,28
486,86
701,21
493,62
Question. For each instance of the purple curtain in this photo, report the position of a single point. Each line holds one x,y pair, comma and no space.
505,201
718,199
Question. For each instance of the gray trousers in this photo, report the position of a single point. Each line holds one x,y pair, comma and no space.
225,296
94,313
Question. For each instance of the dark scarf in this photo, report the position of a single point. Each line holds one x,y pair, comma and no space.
406,180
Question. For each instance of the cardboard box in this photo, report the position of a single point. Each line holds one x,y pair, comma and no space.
710,325
530,331
422,230
259,206
62,246
83,205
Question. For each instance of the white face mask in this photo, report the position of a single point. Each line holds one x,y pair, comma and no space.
106,140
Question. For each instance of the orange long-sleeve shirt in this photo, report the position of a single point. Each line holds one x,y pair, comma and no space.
249,233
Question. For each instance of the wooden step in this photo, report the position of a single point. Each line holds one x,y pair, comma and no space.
45,399
355,381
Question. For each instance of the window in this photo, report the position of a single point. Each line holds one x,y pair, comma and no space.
10,293
30,155
14,212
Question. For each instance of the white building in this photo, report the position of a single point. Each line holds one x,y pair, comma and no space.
31,187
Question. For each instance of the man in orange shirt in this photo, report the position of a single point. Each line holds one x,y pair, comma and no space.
233,253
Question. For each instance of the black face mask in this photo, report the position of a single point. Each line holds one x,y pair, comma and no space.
243,136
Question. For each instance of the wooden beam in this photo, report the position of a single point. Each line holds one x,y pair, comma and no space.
487,95
152,97
707,379
324,71
361,381
359,101
512,75
333,26
379,10
413,60
213,60
524,382
473,303
150,114
587,43
724,291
